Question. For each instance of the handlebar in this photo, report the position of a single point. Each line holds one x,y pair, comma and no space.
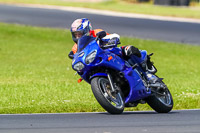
109,46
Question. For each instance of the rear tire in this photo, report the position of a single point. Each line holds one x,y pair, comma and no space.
112,103
161,100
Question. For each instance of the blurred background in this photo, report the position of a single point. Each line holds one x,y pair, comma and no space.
168,2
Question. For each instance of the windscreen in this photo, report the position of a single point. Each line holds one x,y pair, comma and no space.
84,41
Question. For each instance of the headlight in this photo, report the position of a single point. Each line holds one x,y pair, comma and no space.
78,66
90,58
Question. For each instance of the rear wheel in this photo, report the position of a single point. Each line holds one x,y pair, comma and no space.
110,101
161,100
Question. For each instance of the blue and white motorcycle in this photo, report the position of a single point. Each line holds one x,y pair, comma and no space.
117,83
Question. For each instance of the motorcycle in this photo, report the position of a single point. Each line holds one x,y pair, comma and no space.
117,83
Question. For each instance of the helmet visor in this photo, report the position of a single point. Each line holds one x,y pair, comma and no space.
77,34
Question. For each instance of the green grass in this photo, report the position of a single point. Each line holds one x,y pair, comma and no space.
119,5
36,74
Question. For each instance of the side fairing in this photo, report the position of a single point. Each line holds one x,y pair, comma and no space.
137,87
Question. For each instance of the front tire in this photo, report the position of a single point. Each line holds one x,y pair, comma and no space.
111,102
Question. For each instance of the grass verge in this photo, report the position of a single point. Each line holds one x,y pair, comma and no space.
36,74
119,5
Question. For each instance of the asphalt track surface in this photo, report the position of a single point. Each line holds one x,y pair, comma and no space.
187,121
183,32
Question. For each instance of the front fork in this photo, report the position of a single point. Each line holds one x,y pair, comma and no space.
114,89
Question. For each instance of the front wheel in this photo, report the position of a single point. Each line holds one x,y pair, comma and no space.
110,101
161,100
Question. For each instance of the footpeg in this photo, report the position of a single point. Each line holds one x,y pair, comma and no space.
151,54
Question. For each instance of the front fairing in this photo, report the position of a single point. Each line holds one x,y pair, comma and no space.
80,56
101,59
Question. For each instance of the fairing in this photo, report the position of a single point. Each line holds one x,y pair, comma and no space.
110,58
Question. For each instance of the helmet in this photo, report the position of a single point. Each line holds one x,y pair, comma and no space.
82,25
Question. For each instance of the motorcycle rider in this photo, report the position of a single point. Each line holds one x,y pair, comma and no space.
83,26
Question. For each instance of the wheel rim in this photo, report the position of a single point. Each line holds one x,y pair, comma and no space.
113,99
164,96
